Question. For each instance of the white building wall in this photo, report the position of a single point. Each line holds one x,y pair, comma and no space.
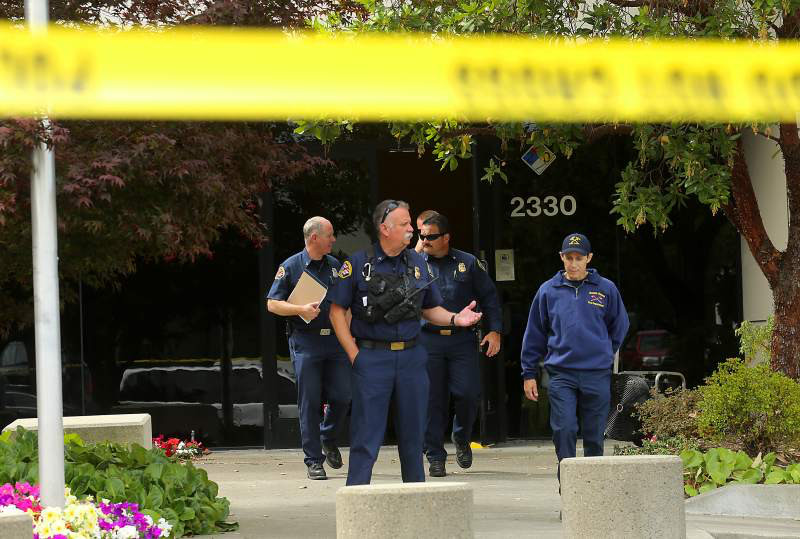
765,163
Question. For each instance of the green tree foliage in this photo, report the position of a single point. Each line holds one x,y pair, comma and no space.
675,161
135,192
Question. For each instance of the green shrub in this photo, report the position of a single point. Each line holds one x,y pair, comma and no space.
162,486
755,340
706,471
752,408
659,446
671,415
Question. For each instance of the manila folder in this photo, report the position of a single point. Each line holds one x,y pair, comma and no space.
307,290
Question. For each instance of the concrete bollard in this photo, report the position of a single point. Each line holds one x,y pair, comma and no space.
118,428
407,510
16,526
623,497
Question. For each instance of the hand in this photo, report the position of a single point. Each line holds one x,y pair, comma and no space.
531,391
353,357
467,317
493,338
309,311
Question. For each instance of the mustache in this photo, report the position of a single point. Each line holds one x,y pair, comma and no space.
408,236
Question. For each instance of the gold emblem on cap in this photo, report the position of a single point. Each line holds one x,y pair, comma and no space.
575,240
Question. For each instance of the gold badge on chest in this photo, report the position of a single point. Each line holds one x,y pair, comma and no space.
462,267
417,273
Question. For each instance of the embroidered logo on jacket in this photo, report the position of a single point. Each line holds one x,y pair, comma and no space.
597,299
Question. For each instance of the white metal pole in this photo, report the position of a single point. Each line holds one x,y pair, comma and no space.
45,301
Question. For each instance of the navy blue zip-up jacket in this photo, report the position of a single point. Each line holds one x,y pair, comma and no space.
574,325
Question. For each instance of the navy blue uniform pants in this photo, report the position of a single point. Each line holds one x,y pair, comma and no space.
453,370
323,375
575,395
377,377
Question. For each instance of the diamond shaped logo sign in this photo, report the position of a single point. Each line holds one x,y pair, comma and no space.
538,158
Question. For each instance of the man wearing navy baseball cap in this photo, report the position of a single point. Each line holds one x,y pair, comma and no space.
576,324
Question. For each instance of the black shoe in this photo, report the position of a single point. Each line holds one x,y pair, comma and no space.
463,453
332,455
316,471
436,468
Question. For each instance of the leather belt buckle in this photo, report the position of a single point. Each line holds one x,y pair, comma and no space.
445,332
325,331
395,345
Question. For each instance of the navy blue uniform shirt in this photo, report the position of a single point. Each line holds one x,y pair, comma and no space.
461,280
352,287
325,270
574,325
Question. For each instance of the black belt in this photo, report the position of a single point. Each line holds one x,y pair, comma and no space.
438,330
318,331
386,345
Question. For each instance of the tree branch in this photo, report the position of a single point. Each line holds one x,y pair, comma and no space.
629,3
745,215
770,137
596,132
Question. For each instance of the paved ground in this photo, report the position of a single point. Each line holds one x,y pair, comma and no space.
515,489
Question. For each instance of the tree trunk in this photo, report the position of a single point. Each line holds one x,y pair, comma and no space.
780,268
785,349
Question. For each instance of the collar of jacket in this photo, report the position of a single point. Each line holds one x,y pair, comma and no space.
306,258
592,277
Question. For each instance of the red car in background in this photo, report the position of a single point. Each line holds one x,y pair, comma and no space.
648,351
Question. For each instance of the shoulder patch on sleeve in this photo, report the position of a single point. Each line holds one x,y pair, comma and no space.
346,270
281,273
481,264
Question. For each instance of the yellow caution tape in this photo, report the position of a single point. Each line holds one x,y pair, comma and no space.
202,73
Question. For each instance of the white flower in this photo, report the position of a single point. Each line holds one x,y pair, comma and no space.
165,526
126,532
60,527
71,512
50,514
148,519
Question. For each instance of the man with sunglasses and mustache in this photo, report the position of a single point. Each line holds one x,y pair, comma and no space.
452,351
388,289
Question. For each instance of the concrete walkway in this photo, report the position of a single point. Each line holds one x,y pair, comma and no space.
515,488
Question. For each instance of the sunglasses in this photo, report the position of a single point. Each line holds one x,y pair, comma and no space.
430,237
390,207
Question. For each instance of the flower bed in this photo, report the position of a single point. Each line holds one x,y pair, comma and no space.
80,519
181,449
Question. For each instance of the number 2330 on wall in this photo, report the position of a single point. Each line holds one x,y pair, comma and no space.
548,206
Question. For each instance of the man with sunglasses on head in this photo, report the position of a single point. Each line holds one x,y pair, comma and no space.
576,324
319,362
453,351
388,289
